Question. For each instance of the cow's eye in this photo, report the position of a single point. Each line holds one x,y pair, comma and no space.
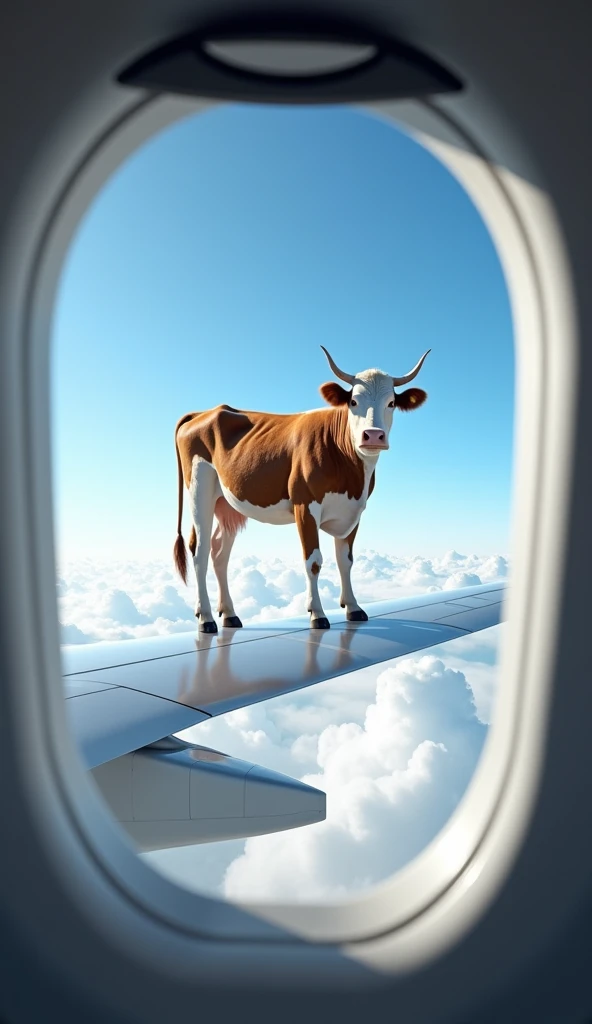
353,402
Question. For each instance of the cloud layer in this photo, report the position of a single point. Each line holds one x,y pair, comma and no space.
122,600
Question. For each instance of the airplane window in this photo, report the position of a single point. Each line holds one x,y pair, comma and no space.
210,270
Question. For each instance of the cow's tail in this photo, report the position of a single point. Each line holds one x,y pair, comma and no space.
179,551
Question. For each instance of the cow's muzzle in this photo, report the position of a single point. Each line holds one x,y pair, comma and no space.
374,439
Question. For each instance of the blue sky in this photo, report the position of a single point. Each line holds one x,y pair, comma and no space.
212,267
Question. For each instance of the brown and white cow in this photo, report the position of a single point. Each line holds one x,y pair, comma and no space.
313,468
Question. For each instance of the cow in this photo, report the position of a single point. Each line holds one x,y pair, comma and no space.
315,469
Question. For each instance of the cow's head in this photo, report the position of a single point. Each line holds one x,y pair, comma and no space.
371,403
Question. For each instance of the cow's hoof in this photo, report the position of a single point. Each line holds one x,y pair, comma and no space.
357,616
232,622
208,627
321,623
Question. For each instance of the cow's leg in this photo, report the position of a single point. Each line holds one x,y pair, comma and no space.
308,530
344,555
222,541
203,492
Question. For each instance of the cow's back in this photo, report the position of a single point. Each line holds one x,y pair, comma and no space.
250,451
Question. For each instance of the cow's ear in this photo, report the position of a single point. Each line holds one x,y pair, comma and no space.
334,394
410,399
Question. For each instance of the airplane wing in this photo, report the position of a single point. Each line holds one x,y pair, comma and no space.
125,699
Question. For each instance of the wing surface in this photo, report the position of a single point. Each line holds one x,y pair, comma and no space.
129,694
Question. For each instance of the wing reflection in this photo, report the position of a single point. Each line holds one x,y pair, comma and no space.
225,674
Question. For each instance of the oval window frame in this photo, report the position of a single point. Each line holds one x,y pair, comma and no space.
520,220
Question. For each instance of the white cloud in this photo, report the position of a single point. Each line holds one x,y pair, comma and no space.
391,784
371,740
452,559
494,568
476,654
420,573
72,635
120,607
120,600
462,579
167,603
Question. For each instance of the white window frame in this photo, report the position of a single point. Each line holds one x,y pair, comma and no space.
432,903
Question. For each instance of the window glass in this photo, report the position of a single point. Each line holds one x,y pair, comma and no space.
210,269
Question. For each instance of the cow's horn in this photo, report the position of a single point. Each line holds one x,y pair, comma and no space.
349,378
399,381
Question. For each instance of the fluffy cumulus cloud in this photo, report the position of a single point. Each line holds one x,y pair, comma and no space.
121,600
391,781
